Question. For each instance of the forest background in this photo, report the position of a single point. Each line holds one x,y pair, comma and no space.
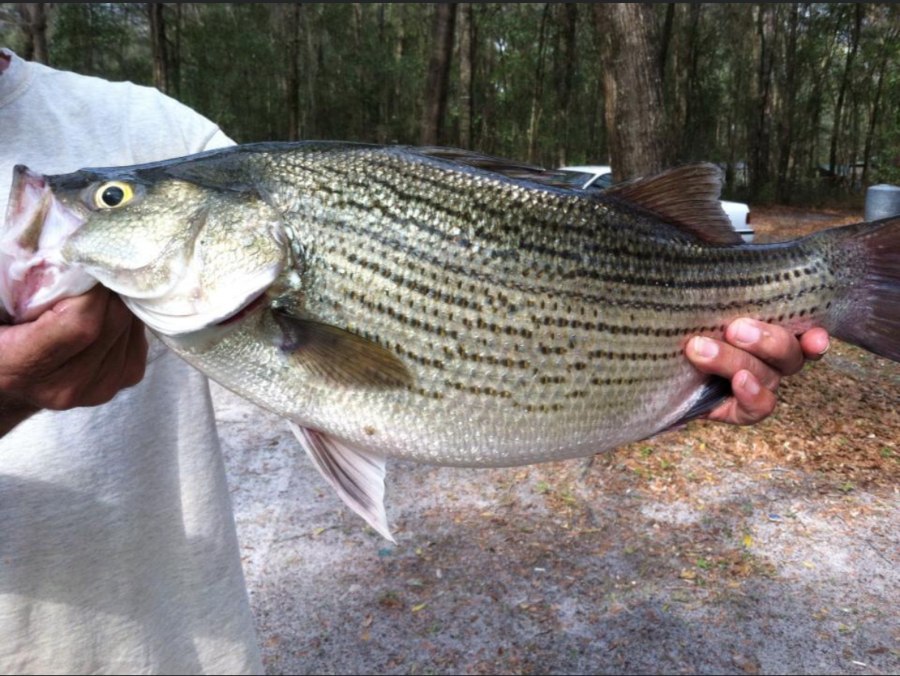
798,102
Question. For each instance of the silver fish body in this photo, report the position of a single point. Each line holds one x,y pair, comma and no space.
419,304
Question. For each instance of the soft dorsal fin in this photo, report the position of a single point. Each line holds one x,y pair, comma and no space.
357,476
687,198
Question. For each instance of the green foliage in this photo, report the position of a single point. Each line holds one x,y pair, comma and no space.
101,38
230,65
751,86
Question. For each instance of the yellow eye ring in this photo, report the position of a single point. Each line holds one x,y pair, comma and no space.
113,194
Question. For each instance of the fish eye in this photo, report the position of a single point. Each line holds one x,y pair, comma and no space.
113,194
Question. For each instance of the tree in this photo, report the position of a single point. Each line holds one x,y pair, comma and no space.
159,45
437,84
787,115
565,64
845,81
35,26
291,16
772,91
635,120
466,64
762,108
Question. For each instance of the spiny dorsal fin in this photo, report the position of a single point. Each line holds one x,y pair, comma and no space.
337,355
497,165
357,476
687,198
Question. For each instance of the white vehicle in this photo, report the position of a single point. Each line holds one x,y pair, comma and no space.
600,176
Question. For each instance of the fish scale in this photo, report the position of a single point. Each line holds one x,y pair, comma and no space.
438,305
575,352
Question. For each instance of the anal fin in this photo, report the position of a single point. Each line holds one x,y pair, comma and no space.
714,392
357,476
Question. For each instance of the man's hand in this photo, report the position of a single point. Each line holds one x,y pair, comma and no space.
754,357
80,352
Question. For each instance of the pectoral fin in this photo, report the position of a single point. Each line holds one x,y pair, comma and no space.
357,476
340,356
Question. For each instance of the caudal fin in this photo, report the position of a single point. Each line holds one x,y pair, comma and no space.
872,317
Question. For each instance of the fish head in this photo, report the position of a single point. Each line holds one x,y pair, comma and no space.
184,253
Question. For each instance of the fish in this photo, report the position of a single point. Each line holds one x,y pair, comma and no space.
435,304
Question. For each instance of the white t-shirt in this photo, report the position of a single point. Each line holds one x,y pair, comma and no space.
118,551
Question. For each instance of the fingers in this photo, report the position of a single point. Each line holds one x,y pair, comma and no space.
59,334
719,358
772,344
116,360
754,356
751,402
815,343
79,353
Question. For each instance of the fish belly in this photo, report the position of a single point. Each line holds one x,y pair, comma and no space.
485,418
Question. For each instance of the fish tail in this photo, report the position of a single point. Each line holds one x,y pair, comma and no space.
870,312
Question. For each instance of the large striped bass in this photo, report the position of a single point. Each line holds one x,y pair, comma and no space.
433,304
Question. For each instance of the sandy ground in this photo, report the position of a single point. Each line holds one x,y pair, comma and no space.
686,554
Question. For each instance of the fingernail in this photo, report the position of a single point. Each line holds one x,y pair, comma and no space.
750,385
706,348
827,347
747,333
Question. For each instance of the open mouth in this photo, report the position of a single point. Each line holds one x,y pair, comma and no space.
33,275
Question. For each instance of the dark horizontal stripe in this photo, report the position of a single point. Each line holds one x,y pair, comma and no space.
411,251
590,252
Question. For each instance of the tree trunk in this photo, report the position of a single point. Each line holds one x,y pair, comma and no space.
311,99
638,143
292,76
35,31
786,119
845,82
398,114
175,60
565,78
485,95
158,45
437,84
537,91
692,93
665,39
873,116
466,63
761,114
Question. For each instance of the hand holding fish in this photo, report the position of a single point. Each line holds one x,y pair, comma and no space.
755,357
80,352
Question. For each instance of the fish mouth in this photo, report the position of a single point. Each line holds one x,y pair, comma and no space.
29,203
254,303
178,314
33,274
